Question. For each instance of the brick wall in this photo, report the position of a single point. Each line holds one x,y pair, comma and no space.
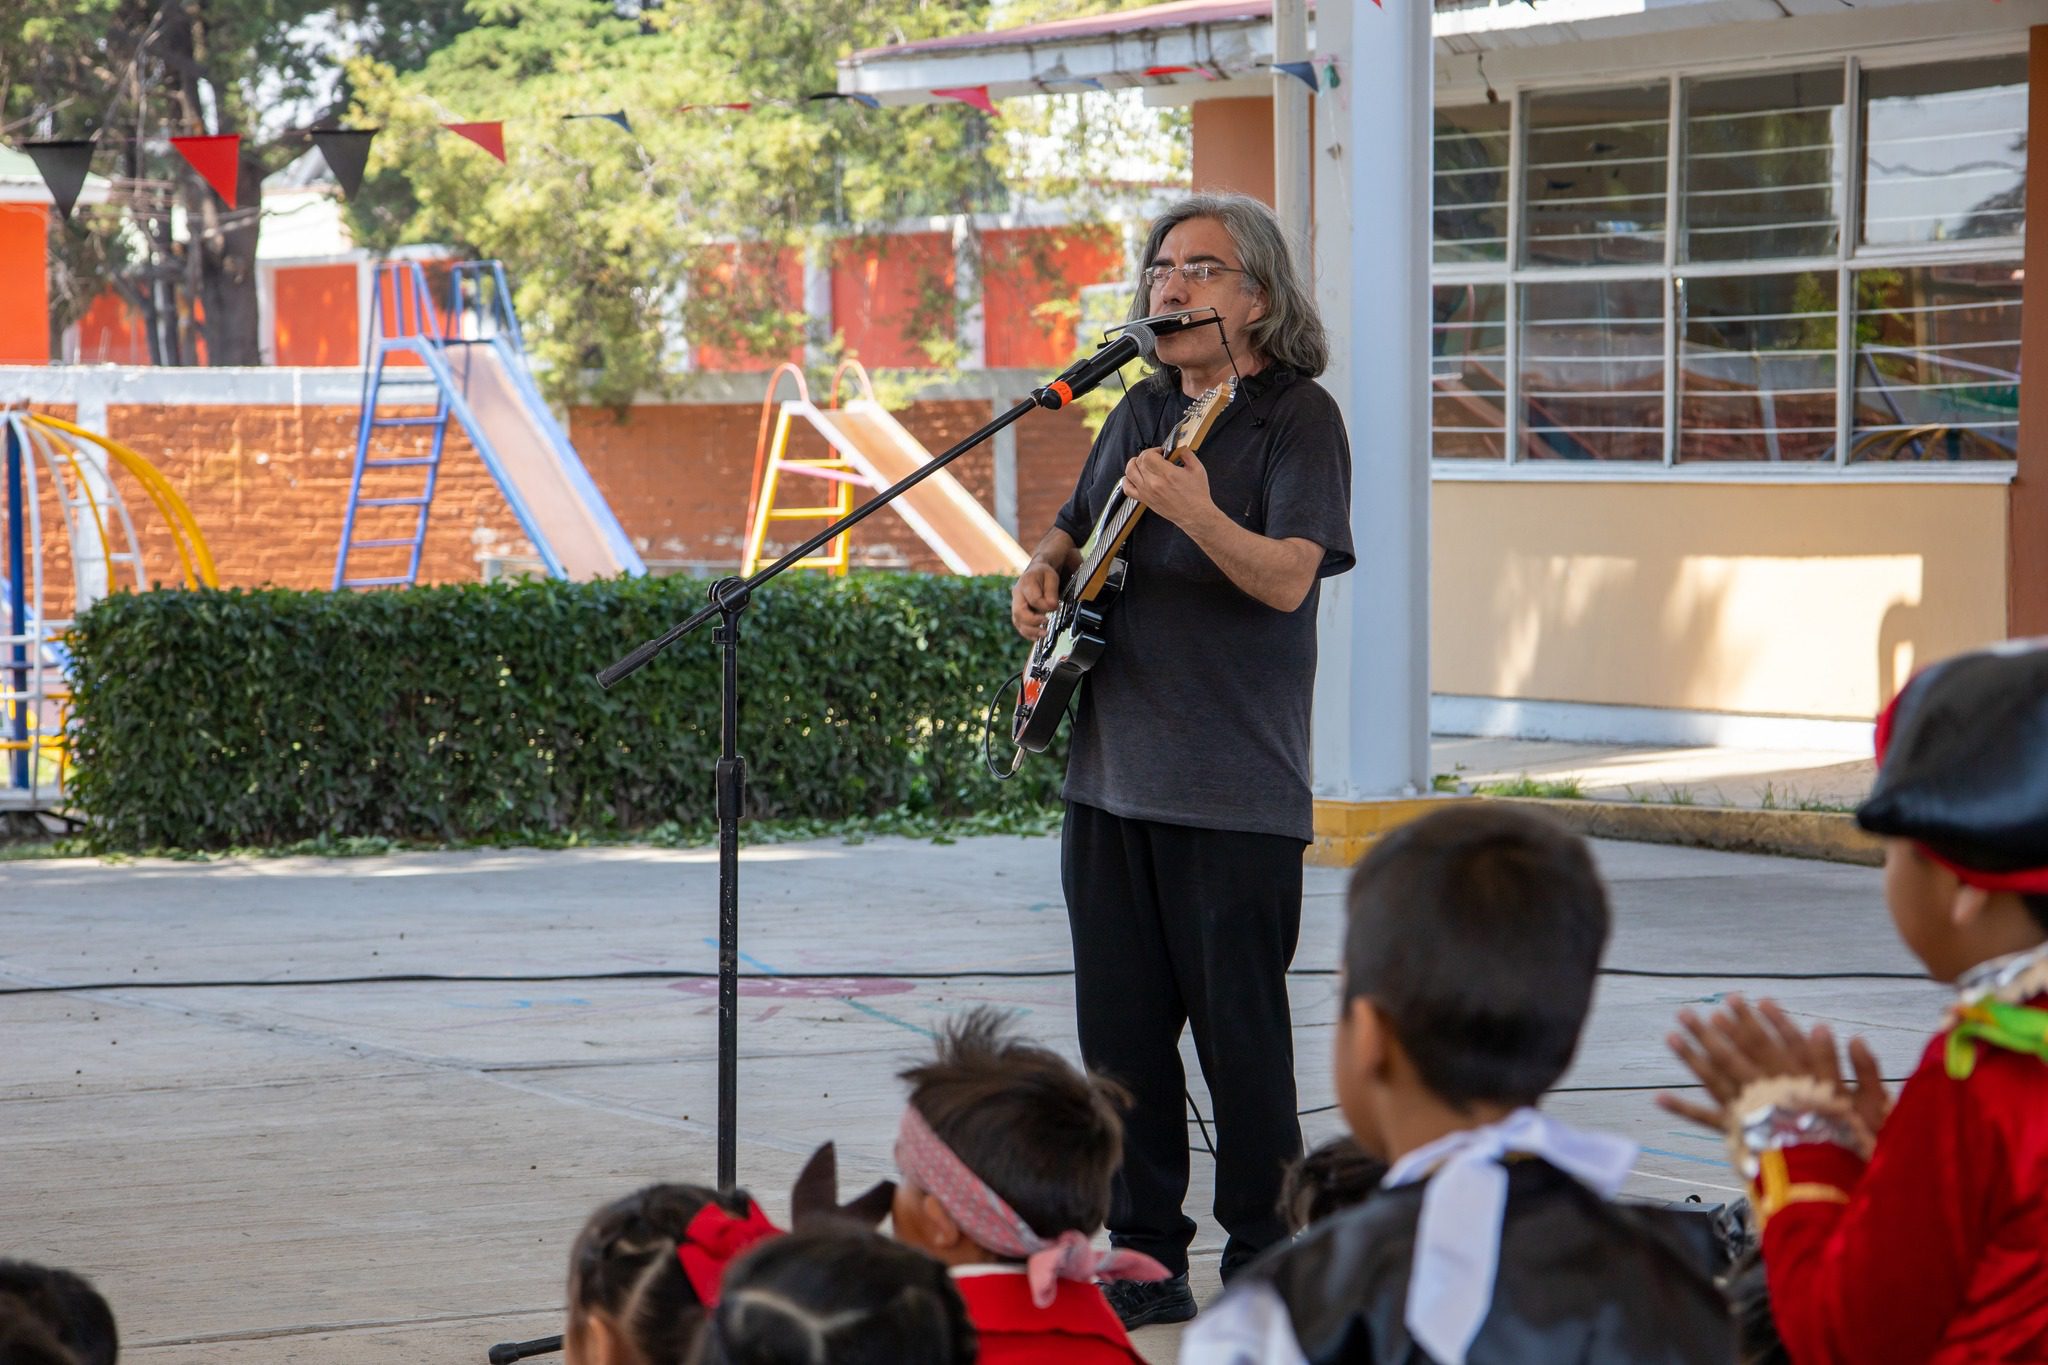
269,487
1050,449
678,477
268,484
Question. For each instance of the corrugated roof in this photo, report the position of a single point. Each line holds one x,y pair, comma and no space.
1177,14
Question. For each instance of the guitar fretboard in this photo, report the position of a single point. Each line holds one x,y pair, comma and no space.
1111,540
1116,526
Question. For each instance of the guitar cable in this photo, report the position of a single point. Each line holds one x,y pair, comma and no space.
988,730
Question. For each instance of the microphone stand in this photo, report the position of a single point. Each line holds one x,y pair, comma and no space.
729,599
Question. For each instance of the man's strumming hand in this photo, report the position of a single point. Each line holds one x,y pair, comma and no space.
1032,598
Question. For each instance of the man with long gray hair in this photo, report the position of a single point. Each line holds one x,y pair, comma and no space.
1188,772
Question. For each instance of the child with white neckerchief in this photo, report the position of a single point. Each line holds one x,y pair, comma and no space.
1474,939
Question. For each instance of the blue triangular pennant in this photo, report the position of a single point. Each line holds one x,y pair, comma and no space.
1305,72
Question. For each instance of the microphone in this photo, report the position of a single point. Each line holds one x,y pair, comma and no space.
1134,339
1166,324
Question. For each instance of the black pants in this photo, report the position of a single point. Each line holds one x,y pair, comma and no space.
1174,925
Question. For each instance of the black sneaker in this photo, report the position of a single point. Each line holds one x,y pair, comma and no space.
1139,1304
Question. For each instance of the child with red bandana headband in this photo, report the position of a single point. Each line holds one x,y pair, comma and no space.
1005,1155
1917,1232
647,1269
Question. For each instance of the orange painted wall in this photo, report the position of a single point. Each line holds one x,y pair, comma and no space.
1022,268
112,333
24,285
785,291
878,283
398,302
1233,146
316,315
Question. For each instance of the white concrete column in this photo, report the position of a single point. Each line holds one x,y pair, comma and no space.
1372,251
1290,126
1005,447
366,286
817,300
266,312
972,318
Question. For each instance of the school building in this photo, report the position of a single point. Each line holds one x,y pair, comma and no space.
1726,433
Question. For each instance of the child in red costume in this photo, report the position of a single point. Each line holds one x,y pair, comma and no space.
1917,1232
646,1270
1005,1154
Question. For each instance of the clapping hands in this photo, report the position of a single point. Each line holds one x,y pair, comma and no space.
1741,1043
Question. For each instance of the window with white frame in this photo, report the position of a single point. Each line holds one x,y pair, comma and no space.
1813,266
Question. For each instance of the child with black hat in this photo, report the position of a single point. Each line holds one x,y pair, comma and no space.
1917,1232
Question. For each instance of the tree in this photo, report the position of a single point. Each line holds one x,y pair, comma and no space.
133,72
621,244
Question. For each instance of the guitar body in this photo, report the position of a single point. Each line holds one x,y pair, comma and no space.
1074,640
1077,631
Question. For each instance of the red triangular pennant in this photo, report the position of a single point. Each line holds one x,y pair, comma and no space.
975,95
218,159
489,136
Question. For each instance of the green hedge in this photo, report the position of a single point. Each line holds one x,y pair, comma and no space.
233,718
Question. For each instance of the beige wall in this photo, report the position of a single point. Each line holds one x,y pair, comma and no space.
1796,600
1233,146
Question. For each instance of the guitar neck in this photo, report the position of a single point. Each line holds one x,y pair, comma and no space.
1110,534
1121,516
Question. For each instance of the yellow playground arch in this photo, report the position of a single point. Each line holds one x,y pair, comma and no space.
74,467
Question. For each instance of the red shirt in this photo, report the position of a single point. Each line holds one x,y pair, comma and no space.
1078,1328
1936,1251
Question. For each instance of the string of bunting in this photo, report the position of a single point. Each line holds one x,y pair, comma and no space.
64,163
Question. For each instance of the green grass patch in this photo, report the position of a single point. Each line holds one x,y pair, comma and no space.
1546,788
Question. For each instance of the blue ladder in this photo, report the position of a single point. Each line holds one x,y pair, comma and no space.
416,326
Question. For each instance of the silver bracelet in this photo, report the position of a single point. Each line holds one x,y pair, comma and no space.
1775,1126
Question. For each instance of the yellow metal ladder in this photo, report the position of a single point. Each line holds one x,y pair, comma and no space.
772,460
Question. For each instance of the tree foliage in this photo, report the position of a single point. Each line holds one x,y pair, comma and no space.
622,245
132,73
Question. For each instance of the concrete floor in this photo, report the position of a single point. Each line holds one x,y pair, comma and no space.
349,1172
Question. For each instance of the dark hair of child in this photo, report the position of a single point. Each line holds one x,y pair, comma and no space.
1477,932
1332,1177
1038,1131
2037,906
1749,1298
67,1305
837,1294
624,1265
25,1339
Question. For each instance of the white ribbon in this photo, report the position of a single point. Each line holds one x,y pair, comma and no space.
1457,1242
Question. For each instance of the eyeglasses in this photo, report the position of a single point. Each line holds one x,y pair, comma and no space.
1195,272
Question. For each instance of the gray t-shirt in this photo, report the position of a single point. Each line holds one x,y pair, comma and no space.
1198,711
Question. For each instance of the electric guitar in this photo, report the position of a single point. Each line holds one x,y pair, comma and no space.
1075,633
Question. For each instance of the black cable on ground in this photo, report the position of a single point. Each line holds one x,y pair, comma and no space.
662,974
528,978
1208,1143
1560,1090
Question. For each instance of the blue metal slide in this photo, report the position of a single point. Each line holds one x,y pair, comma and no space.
471,367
